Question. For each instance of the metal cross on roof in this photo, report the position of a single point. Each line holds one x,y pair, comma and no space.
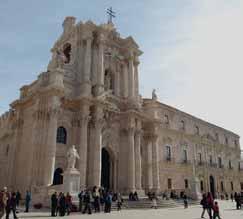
111,14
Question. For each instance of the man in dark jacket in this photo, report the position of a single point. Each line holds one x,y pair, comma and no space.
54,201
11,206
87,202
27,201
203,204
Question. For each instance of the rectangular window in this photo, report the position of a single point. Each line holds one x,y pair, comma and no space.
169,183
199,158
222,186
185,156
230,165
211,160
168,153
232,186
241,185
186,184
219,162
201,185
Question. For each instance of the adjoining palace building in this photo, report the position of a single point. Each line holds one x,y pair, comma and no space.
89,97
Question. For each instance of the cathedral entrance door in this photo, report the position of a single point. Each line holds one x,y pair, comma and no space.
212,185
105,169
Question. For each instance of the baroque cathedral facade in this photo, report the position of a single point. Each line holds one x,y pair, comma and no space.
89,97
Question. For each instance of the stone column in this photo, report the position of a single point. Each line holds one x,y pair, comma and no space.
131,77
138,169
50,155
100,75
86,83
136,79
125,80
97,146
155,166
117,83
149,170
131,160
84,119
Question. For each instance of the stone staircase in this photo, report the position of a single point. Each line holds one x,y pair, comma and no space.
145,203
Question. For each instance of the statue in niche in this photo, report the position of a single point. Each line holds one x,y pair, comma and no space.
154,95
61,59
72,155
107,81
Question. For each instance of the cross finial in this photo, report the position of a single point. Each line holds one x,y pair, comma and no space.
111,14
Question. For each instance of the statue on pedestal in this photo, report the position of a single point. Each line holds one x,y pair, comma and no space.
154,95
72,155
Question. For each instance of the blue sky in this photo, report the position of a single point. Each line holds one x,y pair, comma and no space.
192,49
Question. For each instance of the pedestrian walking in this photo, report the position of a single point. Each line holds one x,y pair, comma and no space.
216,211
62,205
119,201
108,202
11,206
68,200
27,201
154,201
18,197
87,202
210,205
4,196
185,201
203,203
80,200
54,201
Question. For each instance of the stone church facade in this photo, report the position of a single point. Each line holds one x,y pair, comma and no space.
89,97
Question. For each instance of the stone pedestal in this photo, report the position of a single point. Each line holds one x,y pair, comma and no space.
71,181
195,189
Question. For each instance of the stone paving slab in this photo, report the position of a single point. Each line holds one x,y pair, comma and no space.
227,212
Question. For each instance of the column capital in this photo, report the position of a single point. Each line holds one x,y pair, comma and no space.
136,61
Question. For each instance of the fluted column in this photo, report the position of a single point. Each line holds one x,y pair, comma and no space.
149,170
131,160
86,83
138,168
97,146
84,119
100,75
136,79
125,80
50,155
155,158
131,76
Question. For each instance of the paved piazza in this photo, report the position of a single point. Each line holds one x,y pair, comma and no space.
227,211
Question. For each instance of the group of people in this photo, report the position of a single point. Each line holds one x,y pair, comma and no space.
9,202
209,205
98,199
95,200
61,204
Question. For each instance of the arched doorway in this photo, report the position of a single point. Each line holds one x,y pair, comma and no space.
212,185
58,177
105,169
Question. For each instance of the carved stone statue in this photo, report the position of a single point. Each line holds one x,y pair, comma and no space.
154,95
60,59
72,154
